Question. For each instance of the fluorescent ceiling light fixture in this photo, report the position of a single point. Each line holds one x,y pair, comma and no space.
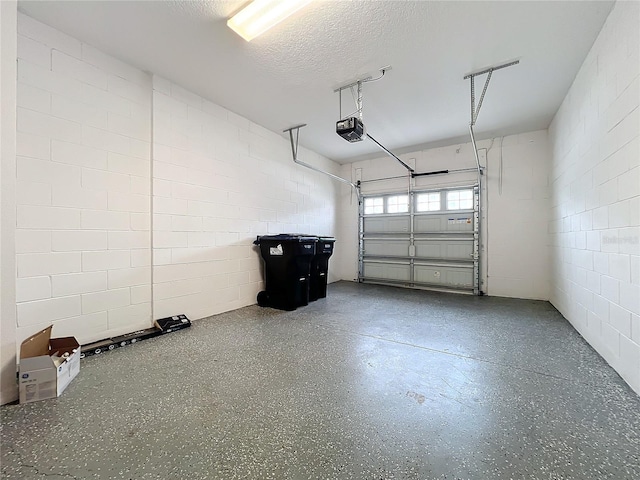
260,15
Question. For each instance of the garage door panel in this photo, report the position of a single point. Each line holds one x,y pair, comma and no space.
386,248
442,275
387,224
444,249
444,222
429,249
427,223
387,271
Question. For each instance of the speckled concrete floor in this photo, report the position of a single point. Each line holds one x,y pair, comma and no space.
371,383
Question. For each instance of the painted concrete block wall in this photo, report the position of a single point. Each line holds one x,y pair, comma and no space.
515,223
220,180
518,210
83,188
595,196
88,194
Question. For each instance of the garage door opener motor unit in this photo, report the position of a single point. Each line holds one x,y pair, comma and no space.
351,129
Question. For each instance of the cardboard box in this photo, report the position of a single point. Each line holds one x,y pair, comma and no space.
47,365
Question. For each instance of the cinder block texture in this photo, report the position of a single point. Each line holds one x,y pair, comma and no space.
219,181
594,176
94,200
83,142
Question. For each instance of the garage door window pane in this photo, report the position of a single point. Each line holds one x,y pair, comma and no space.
460,200
398,204
373,205
428,202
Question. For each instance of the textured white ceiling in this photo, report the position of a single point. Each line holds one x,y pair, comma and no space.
287,76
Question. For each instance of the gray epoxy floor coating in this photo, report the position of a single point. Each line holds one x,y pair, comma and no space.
372,382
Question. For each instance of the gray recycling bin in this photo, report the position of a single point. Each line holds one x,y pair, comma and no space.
287,265
320,268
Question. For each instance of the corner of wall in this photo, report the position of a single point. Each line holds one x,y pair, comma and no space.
8,54
346,262
517,202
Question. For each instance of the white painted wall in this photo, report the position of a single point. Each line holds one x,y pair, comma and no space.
515,215
595,196
219,181
8,29
88,194
518,209
83,188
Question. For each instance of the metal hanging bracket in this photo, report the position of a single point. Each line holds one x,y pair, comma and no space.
358,83
475,110
478,216
358,112
366,79
491,69
294,153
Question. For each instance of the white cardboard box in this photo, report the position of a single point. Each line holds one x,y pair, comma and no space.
45,368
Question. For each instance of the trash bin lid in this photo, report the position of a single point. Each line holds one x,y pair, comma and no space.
286,237
326,239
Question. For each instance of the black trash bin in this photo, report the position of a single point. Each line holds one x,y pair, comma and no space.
320,268
287,261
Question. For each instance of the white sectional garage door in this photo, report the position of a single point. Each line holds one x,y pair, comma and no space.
425,239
